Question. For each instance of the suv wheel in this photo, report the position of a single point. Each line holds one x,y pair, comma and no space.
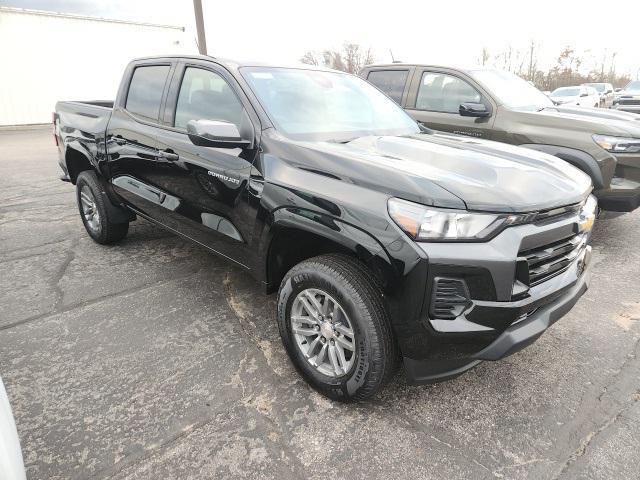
335,327
93,211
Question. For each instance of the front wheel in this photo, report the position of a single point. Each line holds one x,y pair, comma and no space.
93,210
335,327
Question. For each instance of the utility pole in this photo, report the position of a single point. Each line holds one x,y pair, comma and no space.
202,41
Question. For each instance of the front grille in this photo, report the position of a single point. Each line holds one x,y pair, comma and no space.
554,214
552,259
449,299
629,101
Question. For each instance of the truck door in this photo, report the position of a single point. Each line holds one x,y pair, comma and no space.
435,100
207,185
131,136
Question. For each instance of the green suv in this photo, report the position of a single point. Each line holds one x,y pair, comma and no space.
498,105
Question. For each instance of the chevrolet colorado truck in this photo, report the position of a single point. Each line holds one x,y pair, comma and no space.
497,105
385,241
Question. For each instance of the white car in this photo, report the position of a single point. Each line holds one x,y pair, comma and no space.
11,465
582,95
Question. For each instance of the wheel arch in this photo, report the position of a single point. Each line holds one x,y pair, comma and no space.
77,160
296,235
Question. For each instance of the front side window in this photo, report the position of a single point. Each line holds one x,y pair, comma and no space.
205,95
145,90
439,92
391,82
325,106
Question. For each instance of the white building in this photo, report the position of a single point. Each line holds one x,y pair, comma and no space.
46,57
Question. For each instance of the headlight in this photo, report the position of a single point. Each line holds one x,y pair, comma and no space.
618,144
432,224
588,214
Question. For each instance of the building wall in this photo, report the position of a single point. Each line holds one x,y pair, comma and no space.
49,57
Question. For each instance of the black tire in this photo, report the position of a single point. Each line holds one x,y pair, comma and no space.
350,283
106,231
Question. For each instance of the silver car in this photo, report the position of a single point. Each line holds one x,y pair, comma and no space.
11,465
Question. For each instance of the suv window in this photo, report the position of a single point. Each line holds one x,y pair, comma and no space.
390,82
145,90
205,95
439,92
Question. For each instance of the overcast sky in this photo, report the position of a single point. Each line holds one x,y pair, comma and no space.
420,31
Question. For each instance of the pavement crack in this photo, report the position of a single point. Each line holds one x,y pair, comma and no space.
588,439
239,310
70,255
97,300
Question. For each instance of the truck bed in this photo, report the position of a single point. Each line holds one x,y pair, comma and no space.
87,117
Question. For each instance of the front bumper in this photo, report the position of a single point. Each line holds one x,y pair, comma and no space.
627,108
499,323
619,199
524,333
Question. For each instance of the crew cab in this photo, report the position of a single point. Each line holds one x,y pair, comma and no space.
384,240
497,105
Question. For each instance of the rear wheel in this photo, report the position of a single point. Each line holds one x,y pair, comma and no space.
335,327
92,200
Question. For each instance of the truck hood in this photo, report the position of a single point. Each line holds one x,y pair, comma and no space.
599,113
584,119
484,175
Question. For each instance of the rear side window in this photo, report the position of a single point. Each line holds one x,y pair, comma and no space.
439,92
145,91
390,82
205,95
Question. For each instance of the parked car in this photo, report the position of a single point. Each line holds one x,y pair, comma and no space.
497,105
578,95
11,464
606,93
382,239
628,99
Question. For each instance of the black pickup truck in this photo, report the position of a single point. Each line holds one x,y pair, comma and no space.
386,241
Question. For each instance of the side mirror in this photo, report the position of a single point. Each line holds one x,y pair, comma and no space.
215,133
584,94
470,109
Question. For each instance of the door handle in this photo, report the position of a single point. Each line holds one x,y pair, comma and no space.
168,155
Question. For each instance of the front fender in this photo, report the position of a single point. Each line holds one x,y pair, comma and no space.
600,172
400,271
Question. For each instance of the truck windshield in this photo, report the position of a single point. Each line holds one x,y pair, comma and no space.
633,86
325,106
600,87
566,92
511,90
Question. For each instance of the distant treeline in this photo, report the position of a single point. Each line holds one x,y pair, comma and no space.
571,68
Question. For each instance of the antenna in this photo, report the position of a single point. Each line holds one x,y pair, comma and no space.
393,60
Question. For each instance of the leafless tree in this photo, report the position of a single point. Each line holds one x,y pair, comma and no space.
350,59
309,58
484,57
